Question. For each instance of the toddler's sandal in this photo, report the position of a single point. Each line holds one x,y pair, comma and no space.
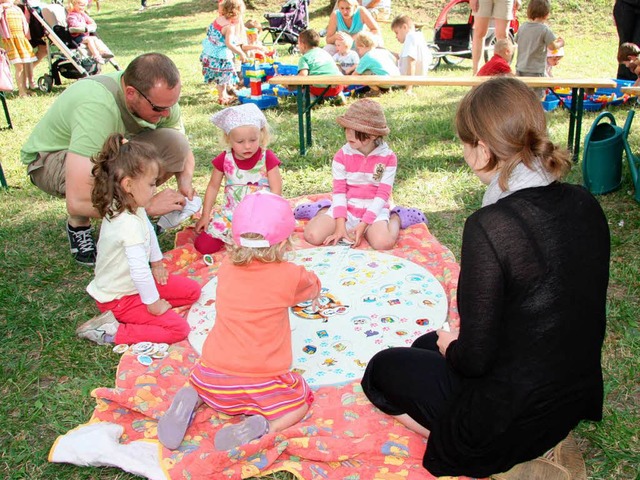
309,210
409,216
251,428
174,423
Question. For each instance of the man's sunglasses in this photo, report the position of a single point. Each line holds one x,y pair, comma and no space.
154,107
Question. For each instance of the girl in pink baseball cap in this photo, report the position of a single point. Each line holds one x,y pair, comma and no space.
245,364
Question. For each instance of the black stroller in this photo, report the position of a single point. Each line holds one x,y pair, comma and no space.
284,27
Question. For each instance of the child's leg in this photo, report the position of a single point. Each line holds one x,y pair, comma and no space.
179,290
319,228
102,48
288,419
21,79
383,235
138,325
174,423
89,41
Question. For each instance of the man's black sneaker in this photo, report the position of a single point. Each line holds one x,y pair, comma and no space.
83,248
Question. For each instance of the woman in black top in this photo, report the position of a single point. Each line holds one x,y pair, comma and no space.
524,366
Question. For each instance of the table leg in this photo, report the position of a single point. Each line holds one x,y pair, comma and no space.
300,94
580,111
6,111
572,119
307,106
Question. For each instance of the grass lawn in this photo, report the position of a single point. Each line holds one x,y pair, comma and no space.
47,374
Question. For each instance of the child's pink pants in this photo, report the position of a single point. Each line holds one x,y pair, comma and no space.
138,325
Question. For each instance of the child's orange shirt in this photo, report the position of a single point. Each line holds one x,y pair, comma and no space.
251,336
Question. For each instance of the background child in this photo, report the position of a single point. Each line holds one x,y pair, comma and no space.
374,61
14,32
628,56
364,170
533,39
244,367
218,50
346,58
82,28
135,299
415,57
253,46
553,59
317,61
499,63
246,166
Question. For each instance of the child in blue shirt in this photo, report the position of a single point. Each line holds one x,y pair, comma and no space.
374,61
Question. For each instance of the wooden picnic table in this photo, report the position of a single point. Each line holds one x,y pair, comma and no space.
631,90
577,85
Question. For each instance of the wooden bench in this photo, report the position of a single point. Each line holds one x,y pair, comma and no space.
577,85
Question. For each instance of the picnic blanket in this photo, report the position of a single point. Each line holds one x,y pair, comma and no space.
343,436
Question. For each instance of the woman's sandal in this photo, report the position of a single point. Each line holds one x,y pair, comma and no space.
251,428
307,211
174,423
409,216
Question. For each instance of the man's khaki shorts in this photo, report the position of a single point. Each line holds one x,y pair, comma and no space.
47,172
501,9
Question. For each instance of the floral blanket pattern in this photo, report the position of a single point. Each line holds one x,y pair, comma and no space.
342,437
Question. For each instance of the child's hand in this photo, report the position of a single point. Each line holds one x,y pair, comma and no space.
358,233
158,307
560,42
201,224
338,235
159,272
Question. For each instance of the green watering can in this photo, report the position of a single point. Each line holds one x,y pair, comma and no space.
633,161
602,158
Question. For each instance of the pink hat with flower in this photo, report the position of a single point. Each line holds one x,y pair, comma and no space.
264,213
239,116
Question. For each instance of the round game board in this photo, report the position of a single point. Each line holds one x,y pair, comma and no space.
370,301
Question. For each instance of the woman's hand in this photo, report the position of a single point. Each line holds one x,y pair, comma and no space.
159,272
158,307
473,4
444,339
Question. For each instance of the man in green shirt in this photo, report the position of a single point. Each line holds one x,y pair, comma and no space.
141,101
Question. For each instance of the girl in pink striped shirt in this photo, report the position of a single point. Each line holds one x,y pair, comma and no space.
364,170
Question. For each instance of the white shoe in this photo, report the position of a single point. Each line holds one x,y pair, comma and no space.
99,326
175,218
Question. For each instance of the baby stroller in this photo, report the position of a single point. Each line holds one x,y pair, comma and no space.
70,60
453,33
284,27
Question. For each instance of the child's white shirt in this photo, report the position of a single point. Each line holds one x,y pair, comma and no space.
348,60
113,276
415,47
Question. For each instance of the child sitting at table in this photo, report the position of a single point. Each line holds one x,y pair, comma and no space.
364,170
628,56
317,61
245,364
346,58
374,61
499,63
415,57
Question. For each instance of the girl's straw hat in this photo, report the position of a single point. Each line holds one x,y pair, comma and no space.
365,116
